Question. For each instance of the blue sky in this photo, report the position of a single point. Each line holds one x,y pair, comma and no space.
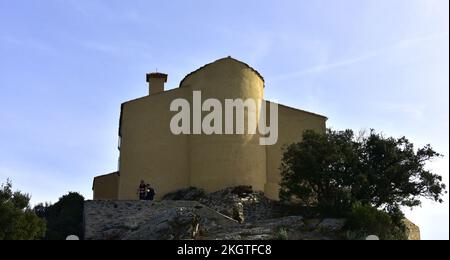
66,65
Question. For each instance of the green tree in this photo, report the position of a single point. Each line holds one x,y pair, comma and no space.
335,170
63,218
319,170
393,174
17,219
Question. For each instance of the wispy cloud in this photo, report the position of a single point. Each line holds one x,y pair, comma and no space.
413,111
404,44
96,9
28,43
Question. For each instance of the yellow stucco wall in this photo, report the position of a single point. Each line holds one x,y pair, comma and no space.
150,152
105,187
218,161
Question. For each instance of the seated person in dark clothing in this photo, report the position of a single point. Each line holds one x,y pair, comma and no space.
142,190
150,193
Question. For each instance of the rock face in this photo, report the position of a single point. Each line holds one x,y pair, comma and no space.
412,231
235,213
168,220
231,214
146,220
239,203
284,228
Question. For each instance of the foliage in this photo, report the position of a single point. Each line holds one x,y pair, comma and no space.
63,218
282,234
393,174
335,170
317,170
365,220
17,220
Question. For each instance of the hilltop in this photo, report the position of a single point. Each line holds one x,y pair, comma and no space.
236,213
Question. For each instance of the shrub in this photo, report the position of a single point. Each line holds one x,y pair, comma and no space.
364,220
282,234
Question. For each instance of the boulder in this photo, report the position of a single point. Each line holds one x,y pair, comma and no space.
412,231
331,224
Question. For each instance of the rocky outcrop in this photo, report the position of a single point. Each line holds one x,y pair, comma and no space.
146,220
284,228
235,213
168,220
231,214
240,203
412,231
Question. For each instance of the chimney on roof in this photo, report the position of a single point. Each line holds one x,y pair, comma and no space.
156,82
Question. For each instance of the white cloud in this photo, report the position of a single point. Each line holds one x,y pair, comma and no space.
28,43
368,55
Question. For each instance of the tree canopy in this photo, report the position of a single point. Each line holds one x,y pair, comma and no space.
336,169
63,218
17,219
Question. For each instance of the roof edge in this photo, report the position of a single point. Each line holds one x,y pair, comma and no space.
229,57
104,175
297,109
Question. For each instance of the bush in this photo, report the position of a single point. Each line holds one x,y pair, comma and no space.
365,220
339,203
282,234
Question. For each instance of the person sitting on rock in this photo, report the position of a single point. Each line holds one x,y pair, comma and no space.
150,193
141,190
